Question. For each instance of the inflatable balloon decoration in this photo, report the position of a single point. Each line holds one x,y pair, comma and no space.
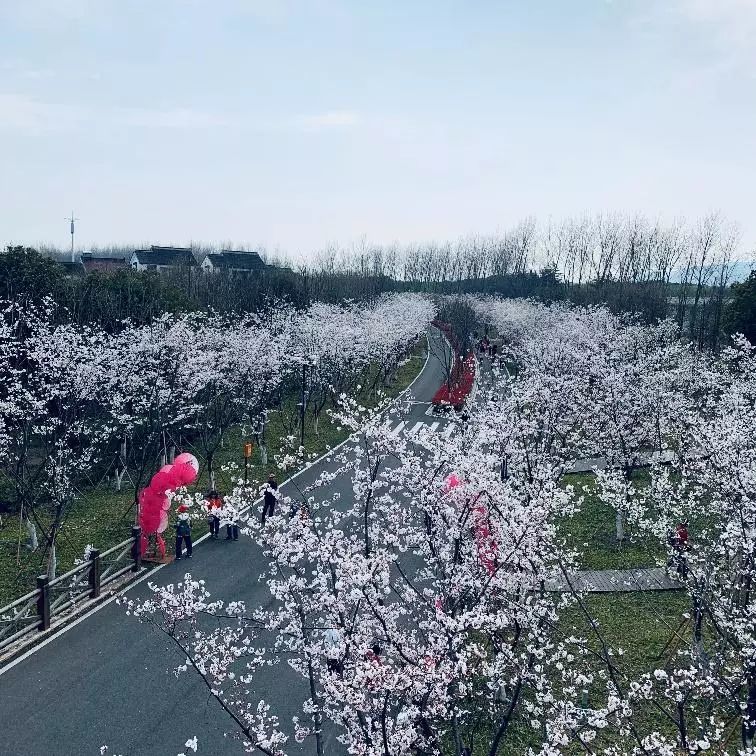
154,503
485,543
451,482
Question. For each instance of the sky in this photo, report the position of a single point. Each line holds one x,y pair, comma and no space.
300,124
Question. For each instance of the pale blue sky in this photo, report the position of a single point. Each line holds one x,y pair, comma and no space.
296,124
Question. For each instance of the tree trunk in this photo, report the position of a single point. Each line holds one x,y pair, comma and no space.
33,542
120,473
52,563
211,471
620,525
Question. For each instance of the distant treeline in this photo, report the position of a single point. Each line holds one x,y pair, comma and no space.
629,263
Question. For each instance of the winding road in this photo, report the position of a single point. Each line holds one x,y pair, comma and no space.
107,680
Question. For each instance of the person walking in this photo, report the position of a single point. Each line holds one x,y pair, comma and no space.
214,504
270,497
183,532
334,649
678,540
303,510
232,529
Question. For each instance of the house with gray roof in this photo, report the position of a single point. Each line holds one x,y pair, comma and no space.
233,262
162,259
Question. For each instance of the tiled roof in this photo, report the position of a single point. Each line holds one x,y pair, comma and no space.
175,256
235,260
98,263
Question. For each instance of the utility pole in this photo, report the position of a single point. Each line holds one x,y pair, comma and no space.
72,220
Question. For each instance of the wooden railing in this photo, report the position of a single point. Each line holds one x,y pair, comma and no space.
36,611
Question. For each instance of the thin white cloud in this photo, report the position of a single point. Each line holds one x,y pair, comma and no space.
47,13
173,118
729,24
21,69
719,34
20,112
736,17
334,119
24,113
271,11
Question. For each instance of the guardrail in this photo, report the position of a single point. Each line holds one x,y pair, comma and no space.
36,611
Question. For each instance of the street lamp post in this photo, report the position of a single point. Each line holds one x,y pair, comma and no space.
247,455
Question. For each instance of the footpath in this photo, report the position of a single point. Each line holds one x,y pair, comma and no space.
616,581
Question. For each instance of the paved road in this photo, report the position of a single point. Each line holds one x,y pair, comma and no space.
108,680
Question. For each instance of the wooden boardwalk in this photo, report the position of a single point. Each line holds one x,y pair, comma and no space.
590,464
616,581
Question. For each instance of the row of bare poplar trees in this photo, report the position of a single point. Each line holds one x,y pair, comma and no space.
632,263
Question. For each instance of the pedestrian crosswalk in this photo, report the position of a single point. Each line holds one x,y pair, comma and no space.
446,428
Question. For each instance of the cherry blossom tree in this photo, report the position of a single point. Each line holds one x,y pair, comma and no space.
414,611
709,487
419,587
55,428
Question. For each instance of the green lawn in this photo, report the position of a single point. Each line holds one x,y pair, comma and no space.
641,625
592,532
103,517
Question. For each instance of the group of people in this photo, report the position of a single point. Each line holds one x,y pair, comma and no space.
215,510
335,650
486,346
214,505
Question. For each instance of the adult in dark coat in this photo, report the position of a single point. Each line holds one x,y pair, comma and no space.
183,531
270,497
